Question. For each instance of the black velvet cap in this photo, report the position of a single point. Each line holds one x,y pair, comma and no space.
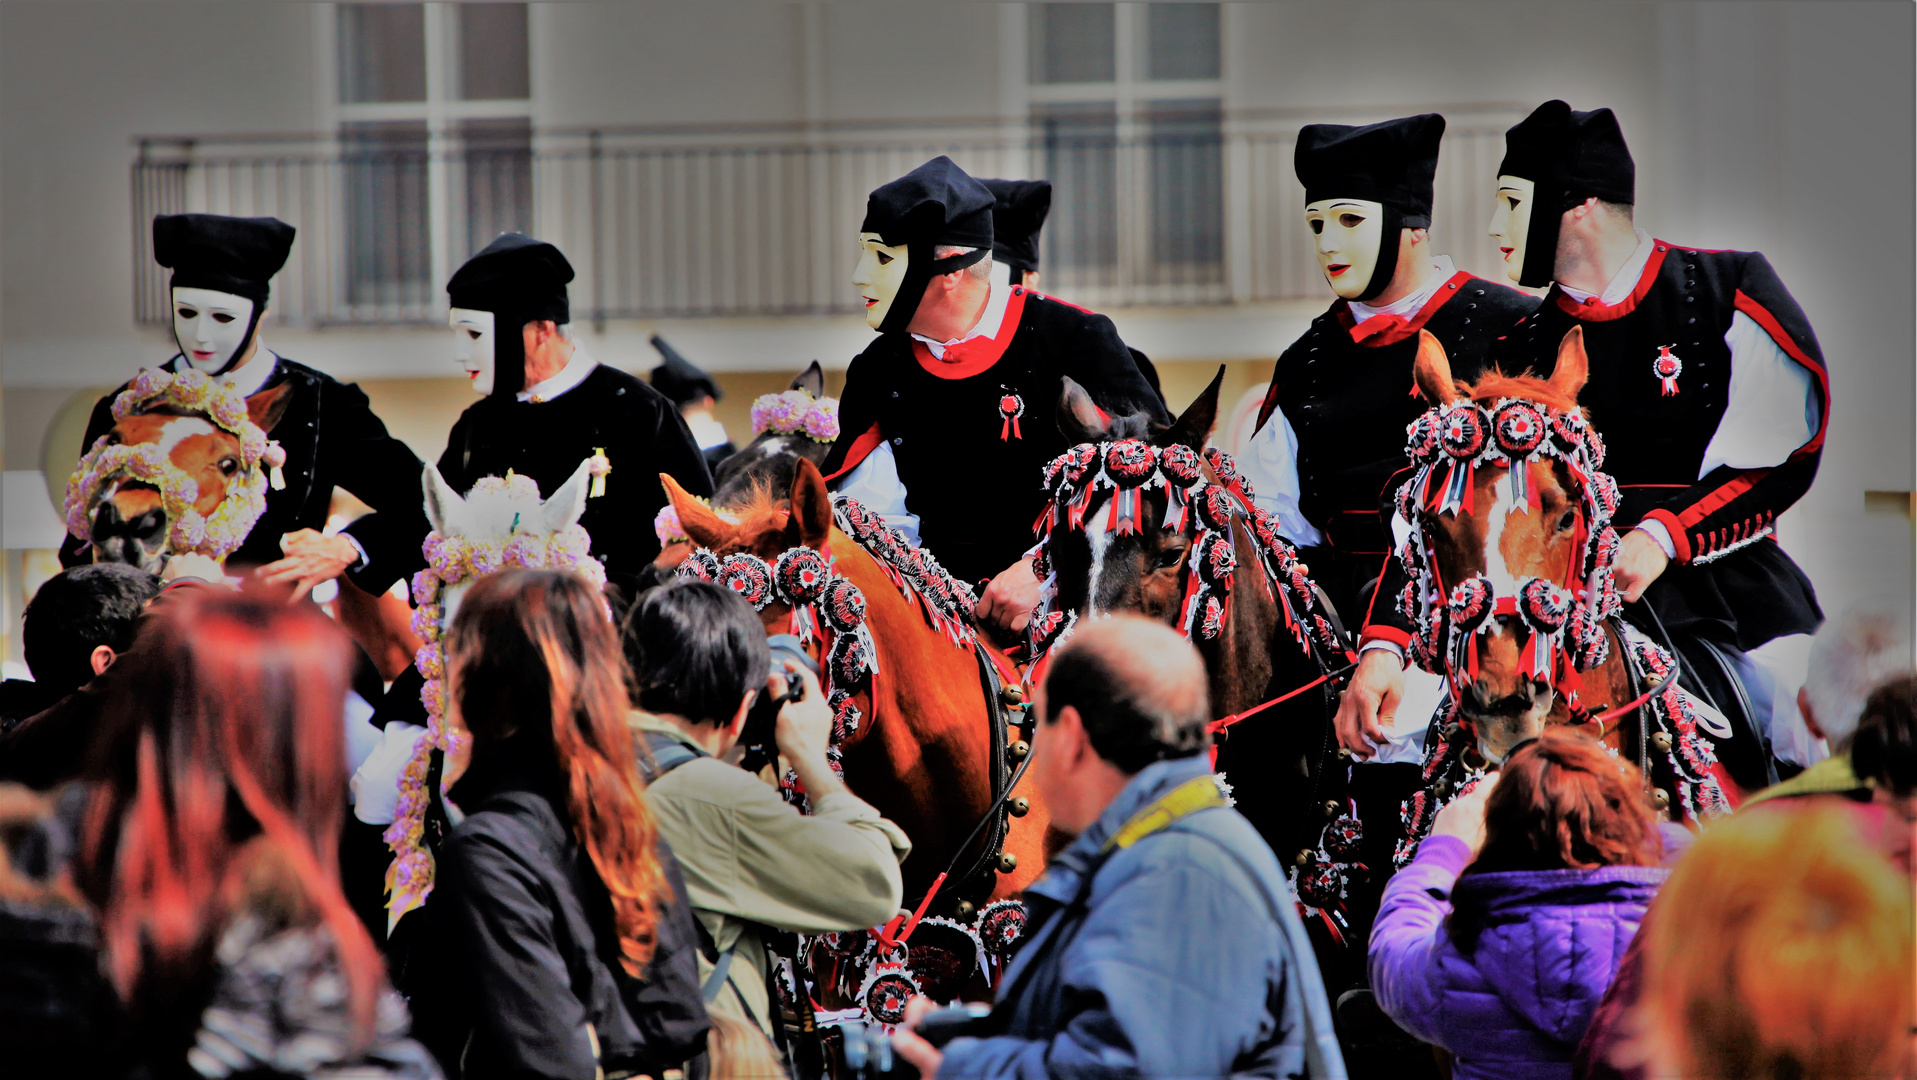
679,379
226,254
936,203
1392,163
1581,154
515,275
1018,213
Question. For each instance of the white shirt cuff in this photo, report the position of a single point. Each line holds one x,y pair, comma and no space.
360,563
1656,531
1391,647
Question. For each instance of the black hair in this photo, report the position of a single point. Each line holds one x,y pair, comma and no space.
694,649
1884,750
1127,732
78,610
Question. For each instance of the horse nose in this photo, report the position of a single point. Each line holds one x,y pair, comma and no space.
1484,701
117,538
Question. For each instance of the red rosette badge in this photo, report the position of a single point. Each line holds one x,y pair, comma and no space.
844,605
750,577
1667,367
1470,603
801,575
1078,460
848,662
1000,926
1130,462
1180,463
1216,561
1461,430
1520,429
701,565
1214,508
1343,839
885,993
1545,606
1010,408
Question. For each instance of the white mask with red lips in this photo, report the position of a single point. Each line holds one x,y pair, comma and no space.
212,328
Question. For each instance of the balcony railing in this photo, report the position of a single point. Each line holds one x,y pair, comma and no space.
1189,207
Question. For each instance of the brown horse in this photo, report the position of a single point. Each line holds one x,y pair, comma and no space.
1511,590
128,522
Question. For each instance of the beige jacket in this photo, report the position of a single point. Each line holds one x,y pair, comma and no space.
748,856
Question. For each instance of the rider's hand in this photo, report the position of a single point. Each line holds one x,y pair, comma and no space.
1370,703
311,557
1463,817
804,729
1008,601
906,1043
1639,562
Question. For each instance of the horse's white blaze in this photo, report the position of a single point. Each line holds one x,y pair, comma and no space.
1100,540
172,434
1503,581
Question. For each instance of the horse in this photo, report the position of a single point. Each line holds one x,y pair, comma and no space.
919,734
183,471
1512,593
1144,519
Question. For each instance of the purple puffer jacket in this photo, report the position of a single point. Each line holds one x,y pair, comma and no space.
1515,1007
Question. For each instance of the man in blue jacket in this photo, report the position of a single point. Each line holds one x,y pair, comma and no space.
1163,942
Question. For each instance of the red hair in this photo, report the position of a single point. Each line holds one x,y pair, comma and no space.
1564,802
219,788
533,656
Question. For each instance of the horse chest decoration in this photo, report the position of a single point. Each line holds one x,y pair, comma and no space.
501,524
923,726
184,470
1511,590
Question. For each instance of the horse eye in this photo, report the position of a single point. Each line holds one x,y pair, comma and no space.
228,466
1170,557
1569,519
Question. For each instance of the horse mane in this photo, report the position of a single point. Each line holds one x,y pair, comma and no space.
761,510
1495,384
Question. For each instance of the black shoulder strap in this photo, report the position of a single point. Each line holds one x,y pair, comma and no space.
660,753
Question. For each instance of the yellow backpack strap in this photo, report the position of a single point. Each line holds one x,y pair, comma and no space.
1198,793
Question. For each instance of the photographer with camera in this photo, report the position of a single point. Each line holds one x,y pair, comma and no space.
753,865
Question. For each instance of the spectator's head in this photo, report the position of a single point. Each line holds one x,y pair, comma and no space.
534,675
1780,947
1120,694
1851,655
1884,752
698,653
81,619
219,785
1564,802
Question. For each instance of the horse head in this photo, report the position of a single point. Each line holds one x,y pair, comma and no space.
494,512
762,527
1499,550
128,519
1101,569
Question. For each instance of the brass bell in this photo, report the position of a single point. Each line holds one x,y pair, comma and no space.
1661,740
1442,789
1007,862
1018,807
1303,857
1020,748
1661,797
1331,808
1344,754
1012,694
964,910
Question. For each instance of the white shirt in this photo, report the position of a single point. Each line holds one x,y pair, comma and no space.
706,431
578,366
249,377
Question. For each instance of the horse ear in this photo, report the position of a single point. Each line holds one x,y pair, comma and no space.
1574,365
811,380
1433,371
1080,419
268,406
441,500
702,526
1193,426
810,522
569,502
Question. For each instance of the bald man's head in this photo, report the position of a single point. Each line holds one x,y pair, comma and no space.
1138,686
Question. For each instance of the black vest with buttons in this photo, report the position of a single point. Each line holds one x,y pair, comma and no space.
1349,403
1739,587
976,493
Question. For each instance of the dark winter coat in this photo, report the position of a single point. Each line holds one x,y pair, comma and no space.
1514,1005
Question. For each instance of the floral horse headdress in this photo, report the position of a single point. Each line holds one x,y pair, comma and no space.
796,412
216,535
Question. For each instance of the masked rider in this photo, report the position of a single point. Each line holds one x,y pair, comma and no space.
948,418
222,267
1331,431
1706,383
547,405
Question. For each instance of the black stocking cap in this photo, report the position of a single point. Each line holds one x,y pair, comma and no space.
225,254
520,280
936,203
1391,163
1569,157
1019,208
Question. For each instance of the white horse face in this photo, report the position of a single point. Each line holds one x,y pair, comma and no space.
499,511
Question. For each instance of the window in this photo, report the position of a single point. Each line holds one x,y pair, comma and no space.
411,140
1128,118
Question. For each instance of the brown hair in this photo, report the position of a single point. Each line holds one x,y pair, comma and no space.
219,772
1780,947
1563,802
532,655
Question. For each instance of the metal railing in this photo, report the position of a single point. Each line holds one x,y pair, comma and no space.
1196,208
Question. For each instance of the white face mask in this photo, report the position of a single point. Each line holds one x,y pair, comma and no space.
473,346
210,327
880,272
1511,221
1346,234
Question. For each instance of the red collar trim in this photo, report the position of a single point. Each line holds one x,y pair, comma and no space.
1595,310
1382,330
969,358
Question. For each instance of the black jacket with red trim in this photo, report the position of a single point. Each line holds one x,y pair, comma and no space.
973,474
1655,441
1349,402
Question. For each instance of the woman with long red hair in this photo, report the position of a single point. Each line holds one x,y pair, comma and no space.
207,847
563,943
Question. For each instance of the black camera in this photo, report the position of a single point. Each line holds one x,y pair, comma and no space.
758,734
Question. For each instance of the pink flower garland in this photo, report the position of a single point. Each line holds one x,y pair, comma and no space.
796,412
